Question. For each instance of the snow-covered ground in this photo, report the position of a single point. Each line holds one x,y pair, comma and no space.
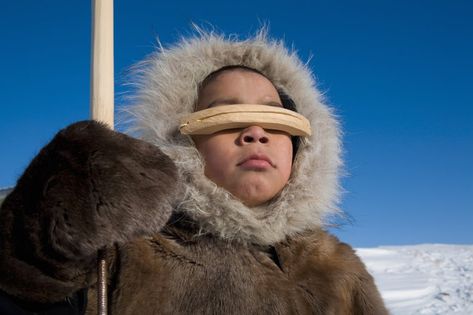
423,279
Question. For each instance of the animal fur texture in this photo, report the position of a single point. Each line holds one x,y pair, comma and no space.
311,273
176,243
89,188
168,87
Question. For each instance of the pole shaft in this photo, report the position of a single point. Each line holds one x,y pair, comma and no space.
102,289
102,88
102,106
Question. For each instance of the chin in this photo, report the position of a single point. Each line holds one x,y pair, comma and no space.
254,191
255,199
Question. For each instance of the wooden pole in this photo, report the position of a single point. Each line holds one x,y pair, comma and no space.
102,105
102,91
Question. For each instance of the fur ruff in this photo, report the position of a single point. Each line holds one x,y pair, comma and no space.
168,83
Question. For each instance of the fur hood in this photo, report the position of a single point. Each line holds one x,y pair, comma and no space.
167,90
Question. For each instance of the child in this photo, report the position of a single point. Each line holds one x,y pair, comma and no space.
219,213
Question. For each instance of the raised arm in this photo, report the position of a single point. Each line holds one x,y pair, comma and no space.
90,187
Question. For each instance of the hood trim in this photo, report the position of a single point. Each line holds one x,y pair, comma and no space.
167,89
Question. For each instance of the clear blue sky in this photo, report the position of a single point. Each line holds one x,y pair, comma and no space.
399,73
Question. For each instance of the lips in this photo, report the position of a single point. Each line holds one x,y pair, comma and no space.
256,161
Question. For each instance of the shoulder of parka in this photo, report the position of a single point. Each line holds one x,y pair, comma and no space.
332,271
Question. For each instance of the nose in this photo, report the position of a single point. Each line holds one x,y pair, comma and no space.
253,134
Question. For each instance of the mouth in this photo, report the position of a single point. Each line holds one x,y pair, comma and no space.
256,162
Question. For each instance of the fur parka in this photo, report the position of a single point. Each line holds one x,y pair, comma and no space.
177,243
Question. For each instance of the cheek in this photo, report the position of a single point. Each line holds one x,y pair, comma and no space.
285,156
216,153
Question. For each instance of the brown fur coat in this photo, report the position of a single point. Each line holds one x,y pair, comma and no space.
177,243
63,210
175,273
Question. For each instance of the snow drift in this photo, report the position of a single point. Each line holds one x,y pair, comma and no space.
423,279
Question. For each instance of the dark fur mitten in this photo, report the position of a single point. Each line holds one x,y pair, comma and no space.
90,187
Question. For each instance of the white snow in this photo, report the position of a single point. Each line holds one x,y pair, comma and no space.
423,279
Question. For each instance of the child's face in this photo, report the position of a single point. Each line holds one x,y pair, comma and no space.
252,163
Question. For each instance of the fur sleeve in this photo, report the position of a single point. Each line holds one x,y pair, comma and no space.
90,187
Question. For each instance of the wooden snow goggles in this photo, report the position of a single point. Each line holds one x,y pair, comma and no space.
211,120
